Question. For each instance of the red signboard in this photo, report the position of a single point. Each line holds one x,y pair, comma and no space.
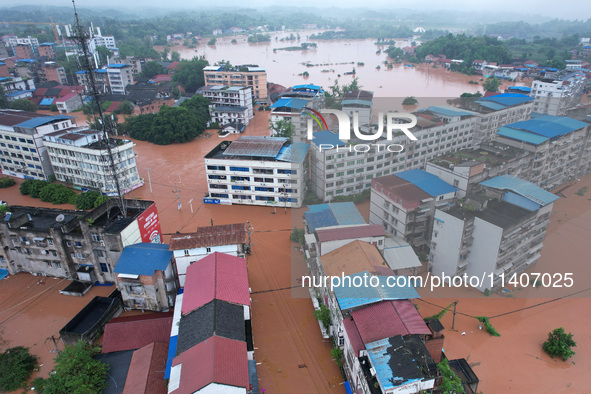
149,224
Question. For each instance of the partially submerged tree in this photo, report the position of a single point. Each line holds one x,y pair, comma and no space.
16,366
559,344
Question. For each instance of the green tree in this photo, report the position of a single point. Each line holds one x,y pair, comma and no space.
281,128
6,182
125,108
323,315
394,52
3,99
76,372
175,56
16,366
559,344
212,41
149,69
24,105
491,84
450,382
53,108
87,200
410,100
189,73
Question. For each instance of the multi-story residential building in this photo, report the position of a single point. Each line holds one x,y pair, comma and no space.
23,153
136,63
257,171
74,244
190,248
120,75
3,51
405,202
229,103
290,109
560,146
51,71
11,39
496,111
146,277
24,51
467,167
17,84
252,76
360,102
47,51
557,92
339,168
499,230
308,91
4,71
100,79
81,157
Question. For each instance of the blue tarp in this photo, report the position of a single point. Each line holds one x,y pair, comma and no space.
3,273
143,259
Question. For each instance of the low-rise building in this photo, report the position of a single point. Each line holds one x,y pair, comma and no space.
47,51
81,157
405,202
146,277
257,171
73,244
69,103
229,103
251,76
557,92
51,71
189,248
358,102
101,80
23,153
498,230
120,75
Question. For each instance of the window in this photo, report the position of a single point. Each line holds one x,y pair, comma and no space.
50,241
78,244
68,243
104,267
186,251
95,237
241,169
80,256
208,250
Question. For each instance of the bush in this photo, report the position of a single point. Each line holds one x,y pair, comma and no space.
6,182
87,200
323,315
410,100
297,235
487,326
559,344
16,366
450,382
48,192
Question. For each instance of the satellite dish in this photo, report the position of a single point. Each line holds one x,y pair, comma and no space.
60,218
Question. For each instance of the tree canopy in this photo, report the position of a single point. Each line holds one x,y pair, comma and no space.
491,84
189,73
16,366
149,69
281,128
559,344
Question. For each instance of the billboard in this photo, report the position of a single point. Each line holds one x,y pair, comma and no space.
149,225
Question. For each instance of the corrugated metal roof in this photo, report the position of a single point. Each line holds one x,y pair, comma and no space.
411,318
308,87
508,99
399,254
295,104
146,371
353,232
332,214
521,187
356,102
293,153
327,137
493,106
520,135
35,122
354,337
394,187
353,296
429,183
378,321
218,276
549,126
208,236
450,111
256,146
143,259
354,257
134,332
215,360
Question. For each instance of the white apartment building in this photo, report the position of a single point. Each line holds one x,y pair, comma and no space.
257,171
560,148
501,233
558,92
339,169
81,157
229,103
250,75
360,102
23,153
120,75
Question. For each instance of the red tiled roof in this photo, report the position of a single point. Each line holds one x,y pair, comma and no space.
39,92
225,234
352,232
161,78
134,332
410,195
354,337
146,370
65,98
217,276
387,319
10,117
173,66
114,105
215,360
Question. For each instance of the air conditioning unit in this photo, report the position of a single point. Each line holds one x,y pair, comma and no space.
102,243
44,252
27,242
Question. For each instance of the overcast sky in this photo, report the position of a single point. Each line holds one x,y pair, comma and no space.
567,9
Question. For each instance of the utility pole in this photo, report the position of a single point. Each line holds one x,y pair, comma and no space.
149,179
249,245
285,198
191,204
54,344
178,201
453,322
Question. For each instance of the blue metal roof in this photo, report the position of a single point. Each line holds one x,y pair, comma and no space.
36,122
293,103
143,259
521,88
520,135
521,187
117,65
449,111
356,102
491,105
508,99
172,345
26,61
354,296
307,87
548,125
294,153
327,137
46,101
429,183
389,365
18,93
100,71
2,64
333,214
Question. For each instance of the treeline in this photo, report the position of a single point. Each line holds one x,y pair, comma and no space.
171,124
356,30
555,28
467,48
60,194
